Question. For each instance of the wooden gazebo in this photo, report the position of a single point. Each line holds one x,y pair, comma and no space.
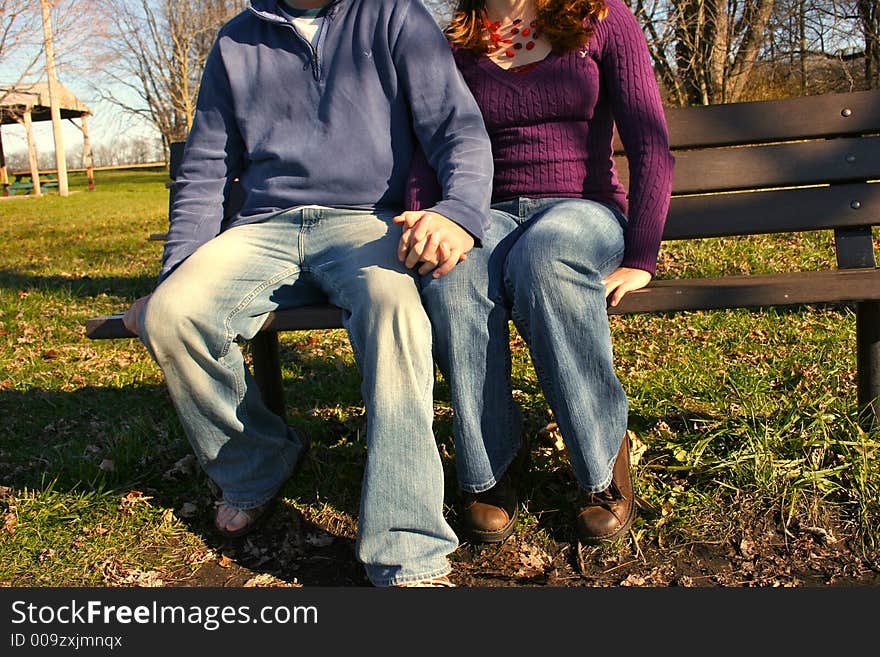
26,103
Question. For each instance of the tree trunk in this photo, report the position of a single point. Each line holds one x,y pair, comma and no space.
870,17
751,30
717,45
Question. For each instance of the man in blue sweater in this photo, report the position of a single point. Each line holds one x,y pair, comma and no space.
315,106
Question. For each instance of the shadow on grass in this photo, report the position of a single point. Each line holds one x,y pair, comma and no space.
79,286
794,309
97,441
69,437
66,436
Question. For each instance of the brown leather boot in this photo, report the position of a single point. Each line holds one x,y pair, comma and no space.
609,514
490,516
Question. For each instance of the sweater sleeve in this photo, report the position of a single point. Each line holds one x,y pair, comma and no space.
422,189
446,119
641,124
211,158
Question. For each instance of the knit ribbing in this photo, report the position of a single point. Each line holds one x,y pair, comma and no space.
552,128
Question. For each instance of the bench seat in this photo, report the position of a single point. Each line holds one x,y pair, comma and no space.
660,296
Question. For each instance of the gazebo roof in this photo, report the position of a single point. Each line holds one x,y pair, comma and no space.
16,99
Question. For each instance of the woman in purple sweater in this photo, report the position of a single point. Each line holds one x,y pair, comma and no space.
552,78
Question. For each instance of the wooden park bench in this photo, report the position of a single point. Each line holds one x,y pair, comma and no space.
782,166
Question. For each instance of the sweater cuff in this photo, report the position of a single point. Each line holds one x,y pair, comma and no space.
471,220
641,251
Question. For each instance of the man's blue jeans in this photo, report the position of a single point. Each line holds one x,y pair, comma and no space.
223,292
541,264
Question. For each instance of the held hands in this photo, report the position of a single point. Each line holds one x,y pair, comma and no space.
432,239
130,318
623,280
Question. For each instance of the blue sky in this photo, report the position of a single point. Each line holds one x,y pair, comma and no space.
107,121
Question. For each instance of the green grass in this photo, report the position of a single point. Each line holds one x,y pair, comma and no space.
729,409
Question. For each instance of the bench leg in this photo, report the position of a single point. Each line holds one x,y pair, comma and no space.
868,349
267,370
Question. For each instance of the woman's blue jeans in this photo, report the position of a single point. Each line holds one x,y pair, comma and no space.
541,264
223,292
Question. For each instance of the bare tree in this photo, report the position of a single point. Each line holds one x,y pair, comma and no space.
718,51
658,22
869,14
157,55
20,40
717,43
813,47
704,50
76,25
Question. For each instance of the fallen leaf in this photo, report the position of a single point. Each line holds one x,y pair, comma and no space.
133,498
552,433
114,573
149,578
747,548
97,530
321,539
264,580
185,466
633,580
188,510
823,535
533,560
637,447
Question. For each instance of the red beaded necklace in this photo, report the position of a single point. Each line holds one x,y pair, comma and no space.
515,38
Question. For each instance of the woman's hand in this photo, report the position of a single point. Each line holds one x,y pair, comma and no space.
623,280
432,239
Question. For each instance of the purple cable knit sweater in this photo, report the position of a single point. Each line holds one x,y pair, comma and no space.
552,126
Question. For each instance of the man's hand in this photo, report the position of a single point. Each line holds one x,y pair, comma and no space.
432,239
130,318
623,280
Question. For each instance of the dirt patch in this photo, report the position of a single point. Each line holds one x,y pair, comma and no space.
290,550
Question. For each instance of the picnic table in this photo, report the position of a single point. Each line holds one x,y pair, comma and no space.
23,183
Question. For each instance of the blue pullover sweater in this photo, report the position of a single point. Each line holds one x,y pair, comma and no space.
333,124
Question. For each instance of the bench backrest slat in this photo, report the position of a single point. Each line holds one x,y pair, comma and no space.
789,146
776,120
809,117
787,210
776,165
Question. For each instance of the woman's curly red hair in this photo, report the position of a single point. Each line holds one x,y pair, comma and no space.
562,22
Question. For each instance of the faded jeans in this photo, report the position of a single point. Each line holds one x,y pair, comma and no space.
223,292
541,264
